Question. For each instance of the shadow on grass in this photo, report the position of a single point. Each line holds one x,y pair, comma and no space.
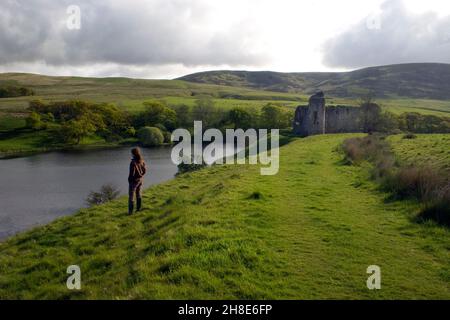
438,213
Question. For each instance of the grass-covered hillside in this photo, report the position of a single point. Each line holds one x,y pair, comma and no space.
227,232
423,149
416,80
129,94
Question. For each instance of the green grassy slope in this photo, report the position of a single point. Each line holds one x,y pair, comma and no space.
430,149
228,232
130,93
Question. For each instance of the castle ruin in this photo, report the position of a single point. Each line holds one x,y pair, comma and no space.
316,118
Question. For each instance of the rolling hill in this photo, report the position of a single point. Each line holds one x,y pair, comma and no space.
419,80
423,88
130,93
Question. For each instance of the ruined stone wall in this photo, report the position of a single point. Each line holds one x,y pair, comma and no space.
343,119
318,119
299,121
310,120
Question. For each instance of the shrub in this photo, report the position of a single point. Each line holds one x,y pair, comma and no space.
109,136
422,183
160,127
107,193
33,121
130,132
428,184
167,137
439,209
150,136
186,167
256,195
372,148
409,136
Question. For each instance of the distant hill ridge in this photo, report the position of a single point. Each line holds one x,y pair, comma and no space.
415,80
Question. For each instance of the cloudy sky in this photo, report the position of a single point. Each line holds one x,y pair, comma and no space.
170,38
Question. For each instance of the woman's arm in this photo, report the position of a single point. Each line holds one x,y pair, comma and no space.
144,169
131,172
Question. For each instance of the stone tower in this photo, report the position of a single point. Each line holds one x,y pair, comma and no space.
311,120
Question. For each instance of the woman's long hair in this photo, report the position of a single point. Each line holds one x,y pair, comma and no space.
137,155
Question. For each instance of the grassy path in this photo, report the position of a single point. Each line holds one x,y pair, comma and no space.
227,232
336,225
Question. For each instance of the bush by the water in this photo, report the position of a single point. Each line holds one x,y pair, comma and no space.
107,193
150,136
426,183
409,136
189,167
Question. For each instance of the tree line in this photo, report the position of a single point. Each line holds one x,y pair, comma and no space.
376,120
15,91
70,121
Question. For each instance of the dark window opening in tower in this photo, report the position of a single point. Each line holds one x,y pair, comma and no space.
315,118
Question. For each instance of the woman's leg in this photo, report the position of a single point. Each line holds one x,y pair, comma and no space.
131,192
139,196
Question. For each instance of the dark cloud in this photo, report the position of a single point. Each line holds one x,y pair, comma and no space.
392,36
121,32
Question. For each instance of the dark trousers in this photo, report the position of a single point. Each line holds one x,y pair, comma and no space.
134,190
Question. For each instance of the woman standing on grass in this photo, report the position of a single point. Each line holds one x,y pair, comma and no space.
135,180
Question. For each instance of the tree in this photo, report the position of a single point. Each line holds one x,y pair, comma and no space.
74,130
115,120
371,114
33,121
157,112
183,114
389,122
240,118
150,136
205,110
275,117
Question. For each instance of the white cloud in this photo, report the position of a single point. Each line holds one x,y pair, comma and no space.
169,38
399,36
124,32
